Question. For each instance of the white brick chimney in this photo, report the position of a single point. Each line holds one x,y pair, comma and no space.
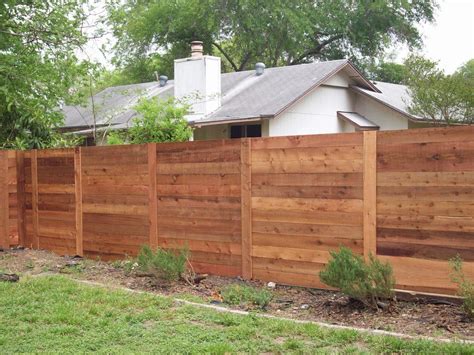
197,81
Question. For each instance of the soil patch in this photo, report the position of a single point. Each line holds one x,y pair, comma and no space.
418,317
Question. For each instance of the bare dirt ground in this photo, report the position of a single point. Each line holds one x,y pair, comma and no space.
418,317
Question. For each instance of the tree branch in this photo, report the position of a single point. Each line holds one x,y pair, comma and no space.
316,49
224,53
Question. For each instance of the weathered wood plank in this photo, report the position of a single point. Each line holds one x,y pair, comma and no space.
307,204
318,192
307,166
321,230
302,179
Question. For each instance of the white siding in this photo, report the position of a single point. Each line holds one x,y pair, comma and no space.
381,115
315,113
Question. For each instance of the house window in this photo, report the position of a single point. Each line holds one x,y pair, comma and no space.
251,130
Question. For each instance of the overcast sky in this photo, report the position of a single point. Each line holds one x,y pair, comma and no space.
450,40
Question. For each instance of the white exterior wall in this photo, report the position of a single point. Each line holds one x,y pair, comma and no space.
384,117
197,81
315,113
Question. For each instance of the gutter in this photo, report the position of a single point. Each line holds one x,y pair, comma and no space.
199,124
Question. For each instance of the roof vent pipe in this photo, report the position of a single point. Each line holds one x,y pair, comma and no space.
196,49
163,79
259,68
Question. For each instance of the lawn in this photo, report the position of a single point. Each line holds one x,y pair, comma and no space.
56,314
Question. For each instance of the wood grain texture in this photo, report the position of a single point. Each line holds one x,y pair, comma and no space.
152,200
21,197
370,194
272,209
34,198
199,202
78,201
246,207
425,204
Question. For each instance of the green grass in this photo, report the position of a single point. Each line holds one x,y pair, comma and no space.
241,294
56,314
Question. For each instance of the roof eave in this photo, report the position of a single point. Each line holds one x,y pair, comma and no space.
404,113
199,124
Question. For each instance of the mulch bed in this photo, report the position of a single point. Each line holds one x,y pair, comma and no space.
421,316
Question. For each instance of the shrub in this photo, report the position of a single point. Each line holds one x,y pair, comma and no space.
368,283
465,286
242,294
165,265
116,138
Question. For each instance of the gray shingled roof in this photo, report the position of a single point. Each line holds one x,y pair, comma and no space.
113,105
394,96
244,94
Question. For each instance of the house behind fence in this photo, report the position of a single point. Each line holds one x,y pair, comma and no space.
263,208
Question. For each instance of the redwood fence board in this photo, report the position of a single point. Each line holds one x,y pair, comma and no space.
263,208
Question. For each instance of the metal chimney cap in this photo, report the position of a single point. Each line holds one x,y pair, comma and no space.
196,49
163,80
259,68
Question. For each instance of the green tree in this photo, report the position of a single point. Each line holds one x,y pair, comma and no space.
277,32
446,99
158,121
37,68
387,71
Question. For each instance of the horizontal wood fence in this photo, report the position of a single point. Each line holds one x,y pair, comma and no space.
264,208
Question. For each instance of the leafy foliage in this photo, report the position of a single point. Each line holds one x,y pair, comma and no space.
277,32
241,294
158,121
37,67
442,98
388,72
466,287
165,265
367,282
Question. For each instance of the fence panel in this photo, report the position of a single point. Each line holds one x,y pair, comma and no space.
425,204
306,200
12,199
114,200
267,208
198,191
53,202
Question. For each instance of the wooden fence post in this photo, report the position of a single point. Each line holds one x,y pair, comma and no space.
20,195
246,206
78,200
370,193
4,203
152,201
34,197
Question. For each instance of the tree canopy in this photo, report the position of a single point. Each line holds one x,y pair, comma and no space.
158,121
447,99
277,32
389,72
37,68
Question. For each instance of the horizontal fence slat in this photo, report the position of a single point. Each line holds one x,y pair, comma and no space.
274,213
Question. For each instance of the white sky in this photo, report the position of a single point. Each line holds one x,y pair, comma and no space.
450,40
